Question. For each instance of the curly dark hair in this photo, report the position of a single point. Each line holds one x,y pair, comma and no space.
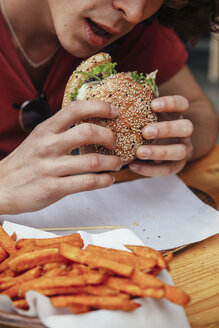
191,18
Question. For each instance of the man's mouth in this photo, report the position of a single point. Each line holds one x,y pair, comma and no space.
98,35
97,29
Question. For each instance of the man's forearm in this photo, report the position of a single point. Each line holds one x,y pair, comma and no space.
201,111
206,125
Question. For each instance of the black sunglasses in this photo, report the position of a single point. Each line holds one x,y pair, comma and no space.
32,112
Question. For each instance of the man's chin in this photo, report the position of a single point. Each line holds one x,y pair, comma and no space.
80,50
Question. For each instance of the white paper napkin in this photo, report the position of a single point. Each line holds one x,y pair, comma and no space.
162,212
152,313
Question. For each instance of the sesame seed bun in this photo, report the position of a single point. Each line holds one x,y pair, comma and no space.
86,66
134,102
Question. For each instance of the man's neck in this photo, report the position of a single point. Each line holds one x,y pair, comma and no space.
33,26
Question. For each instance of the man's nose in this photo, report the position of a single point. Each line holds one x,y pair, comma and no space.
133,10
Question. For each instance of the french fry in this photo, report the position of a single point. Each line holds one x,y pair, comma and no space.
123,257
7,273
20,290
21,304
92,277
29,260
154,292
53,265
28,275
4,279
176,295
94,261
127,286
148,252
4,264
99,302
124,285
145,280
6,242
61,271
95,278
78,308
12,292
3,254
60,291
14,236
102,291
74,239
155,272
90,290
168,258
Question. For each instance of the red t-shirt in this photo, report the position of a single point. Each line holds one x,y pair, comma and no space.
144,49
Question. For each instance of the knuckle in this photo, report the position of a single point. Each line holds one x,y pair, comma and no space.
87,130
46,148
102,107
93,161
107,181
162,153
51,190
90,182
170,102
167,129
39,130
75,107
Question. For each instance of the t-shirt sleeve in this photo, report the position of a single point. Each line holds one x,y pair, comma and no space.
147,48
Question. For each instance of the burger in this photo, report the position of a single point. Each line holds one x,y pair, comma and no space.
97,78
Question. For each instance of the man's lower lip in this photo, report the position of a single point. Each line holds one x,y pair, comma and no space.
93,38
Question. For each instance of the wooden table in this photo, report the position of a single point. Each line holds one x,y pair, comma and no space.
196,268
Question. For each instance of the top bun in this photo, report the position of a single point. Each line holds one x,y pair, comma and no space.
77,78
132,98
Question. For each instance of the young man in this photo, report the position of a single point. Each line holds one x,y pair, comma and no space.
42,43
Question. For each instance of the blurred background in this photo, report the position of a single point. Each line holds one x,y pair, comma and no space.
204,64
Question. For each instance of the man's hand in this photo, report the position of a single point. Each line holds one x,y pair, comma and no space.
171,145
41,170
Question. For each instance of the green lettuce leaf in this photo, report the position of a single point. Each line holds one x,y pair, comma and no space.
149,78
107,69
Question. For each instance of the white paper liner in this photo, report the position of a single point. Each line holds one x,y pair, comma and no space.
162,212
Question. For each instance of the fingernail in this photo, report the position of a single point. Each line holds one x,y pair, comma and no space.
145,153
134,167
114,110
150,132
113,179
157,104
